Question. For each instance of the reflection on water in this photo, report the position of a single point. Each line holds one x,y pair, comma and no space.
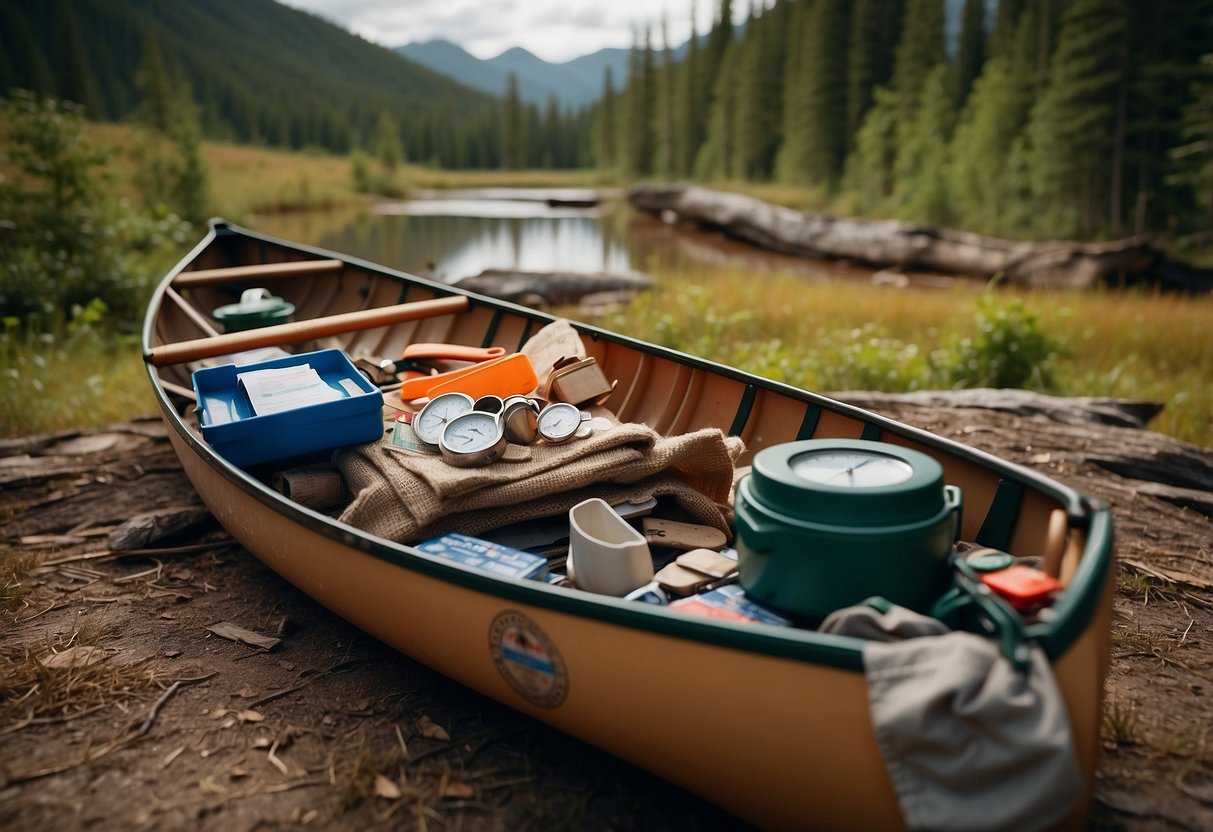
462,233
454,238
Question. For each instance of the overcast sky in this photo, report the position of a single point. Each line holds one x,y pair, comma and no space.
556,30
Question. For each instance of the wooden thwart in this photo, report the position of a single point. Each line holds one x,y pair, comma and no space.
273,336
263,271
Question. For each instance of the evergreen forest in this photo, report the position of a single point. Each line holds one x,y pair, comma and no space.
1078,119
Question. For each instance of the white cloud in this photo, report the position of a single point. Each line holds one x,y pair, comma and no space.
556,30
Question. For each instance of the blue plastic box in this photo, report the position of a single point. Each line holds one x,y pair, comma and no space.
243,438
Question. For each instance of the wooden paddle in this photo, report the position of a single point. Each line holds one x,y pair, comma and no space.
260,271
272,336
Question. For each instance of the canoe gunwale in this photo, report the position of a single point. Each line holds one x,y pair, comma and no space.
1071,615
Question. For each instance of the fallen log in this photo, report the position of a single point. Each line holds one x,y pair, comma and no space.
544,289
907,245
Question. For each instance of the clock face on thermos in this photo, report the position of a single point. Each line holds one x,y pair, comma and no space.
851,468
824,523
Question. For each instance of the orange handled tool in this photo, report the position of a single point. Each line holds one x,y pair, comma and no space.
453,352
510,375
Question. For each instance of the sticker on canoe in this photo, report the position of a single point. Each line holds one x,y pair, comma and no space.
528,660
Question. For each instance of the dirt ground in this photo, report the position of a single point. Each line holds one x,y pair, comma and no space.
153,720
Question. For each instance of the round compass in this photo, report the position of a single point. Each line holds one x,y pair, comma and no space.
438,412
472,439
559,421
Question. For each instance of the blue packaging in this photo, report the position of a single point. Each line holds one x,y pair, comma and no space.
243,438
486,555
729,602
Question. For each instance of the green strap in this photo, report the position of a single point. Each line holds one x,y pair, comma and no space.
1000,520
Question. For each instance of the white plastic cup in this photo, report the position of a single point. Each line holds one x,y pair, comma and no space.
606,555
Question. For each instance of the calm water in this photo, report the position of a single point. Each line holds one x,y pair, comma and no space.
456,234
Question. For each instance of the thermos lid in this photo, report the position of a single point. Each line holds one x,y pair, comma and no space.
848,482
257,308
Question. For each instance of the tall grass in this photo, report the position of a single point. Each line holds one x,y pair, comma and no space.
75,374
247,180
842,336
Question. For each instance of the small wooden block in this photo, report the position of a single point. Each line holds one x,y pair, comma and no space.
679,581
708,562
577,382
685,536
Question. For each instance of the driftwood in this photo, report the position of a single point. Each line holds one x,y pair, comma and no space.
906,245
545,289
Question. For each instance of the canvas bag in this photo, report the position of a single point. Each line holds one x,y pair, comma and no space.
969,742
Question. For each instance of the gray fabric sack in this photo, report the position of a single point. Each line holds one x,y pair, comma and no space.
969,742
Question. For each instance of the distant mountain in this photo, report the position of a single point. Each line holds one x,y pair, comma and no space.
259,71
575,83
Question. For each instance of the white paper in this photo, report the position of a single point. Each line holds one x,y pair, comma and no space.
285,388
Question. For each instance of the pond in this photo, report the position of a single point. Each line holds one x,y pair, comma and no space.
453,234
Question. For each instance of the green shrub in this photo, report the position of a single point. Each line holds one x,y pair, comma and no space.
1008,348
64,239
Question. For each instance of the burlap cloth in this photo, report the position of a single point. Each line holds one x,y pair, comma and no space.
407,496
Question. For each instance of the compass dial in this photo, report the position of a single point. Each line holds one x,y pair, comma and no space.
472,438
559,422
430,421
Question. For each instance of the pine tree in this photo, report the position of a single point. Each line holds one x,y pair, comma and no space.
513,147
719,41
970,51
920,189
1167,41
28,65
868,176
875,28
664,106
606,129
919,50
1075,122
1002,33
988,140
155,86
550,150
789,161
387,143
75,78
751,130
1194,154
715,157
640,133
688,106
824,78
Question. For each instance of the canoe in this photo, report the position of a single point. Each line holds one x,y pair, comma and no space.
770,722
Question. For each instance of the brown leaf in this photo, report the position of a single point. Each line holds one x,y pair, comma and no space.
251,716
225,629
459,790
430,730
386,788
75,656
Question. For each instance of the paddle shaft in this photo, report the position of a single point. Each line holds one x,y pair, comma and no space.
260,271
273,336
